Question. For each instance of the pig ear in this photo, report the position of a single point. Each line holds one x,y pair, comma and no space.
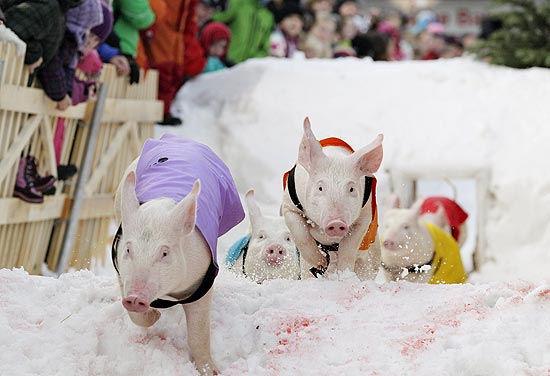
310,149
130,203
369,158
253,209
394,201
184,215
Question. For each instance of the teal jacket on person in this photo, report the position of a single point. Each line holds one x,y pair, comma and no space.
213,64
131,17
251,25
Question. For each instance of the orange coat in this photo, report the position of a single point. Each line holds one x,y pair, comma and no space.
173,47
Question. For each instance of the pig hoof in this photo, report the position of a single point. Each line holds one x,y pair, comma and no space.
145,319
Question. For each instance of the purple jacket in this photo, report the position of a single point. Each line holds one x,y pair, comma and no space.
169,166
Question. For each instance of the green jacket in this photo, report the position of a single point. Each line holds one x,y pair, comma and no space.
251,25
131,17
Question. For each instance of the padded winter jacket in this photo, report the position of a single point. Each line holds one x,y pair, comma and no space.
174,49
132,16
447,264
39,23
251,25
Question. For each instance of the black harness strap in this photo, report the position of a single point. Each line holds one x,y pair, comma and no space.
205,285
325,249
245,251
368,188
292,189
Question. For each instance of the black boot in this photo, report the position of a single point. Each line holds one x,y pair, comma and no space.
170,120
65,172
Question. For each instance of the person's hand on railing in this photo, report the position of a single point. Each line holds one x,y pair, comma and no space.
63,104
122,65
6,34
134,69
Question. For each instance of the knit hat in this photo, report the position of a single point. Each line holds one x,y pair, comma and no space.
288,9
213,32
83,17
90,63
104,29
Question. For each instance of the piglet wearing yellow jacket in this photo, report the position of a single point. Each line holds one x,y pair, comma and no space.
417,251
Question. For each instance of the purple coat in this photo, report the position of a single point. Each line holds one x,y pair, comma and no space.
169,166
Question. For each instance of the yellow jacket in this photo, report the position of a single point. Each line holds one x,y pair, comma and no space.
447,264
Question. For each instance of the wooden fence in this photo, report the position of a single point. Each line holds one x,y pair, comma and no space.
31,234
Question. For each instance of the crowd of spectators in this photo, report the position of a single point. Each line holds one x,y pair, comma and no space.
66,43
183,38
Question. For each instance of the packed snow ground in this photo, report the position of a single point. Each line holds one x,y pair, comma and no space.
459,115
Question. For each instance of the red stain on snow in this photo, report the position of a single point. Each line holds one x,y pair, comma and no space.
544,293
289,333
414,344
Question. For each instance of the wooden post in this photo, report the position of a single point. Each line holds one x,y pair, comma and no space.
85,168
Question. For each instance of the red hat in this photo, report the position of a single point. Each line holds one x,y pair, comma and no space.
213,32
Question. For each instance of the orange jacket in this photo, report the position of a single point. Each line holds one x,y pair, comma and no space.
174,37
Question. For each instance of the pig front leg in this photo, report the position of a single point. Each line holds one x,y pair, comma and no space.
197,315
145,319
347,250
299,228
367,264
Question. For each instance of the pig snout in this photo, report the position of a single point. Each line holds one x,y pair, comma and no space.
275,254
336,228
390,245
135,303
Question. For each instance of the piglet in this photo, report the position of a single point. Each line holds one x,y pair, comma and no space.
173,203
267,251
417,251
329,205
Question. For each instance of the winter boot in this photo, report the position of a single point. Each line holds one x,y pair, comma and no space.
65,172
41,183
170,120
24,187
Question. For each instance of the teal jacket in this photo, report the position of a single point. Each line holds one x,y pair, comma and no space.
132,16
213,64
251,25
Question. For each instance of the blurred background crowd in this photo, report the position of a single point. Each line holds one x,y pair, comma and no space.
67,41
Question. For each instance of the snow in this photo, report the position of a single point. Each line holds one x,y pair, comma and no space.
456,115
